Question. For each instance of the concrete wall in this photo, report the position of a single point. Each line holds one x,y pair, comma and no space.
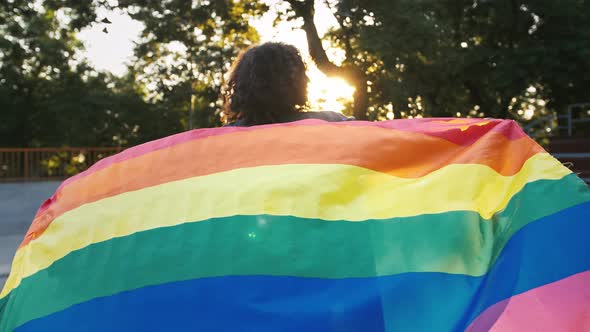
18,204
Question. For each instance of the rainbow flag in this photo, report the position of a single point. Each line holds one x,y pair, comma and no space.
406,225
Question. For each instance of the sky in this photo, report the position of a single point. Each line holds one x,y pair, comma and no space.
111,51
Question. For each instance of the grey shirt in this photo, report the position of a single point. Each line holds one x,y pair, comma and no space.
325,115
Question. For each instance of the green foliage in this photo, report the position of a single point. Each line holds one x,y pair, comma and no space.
61,163
186,48
50,98
517,59
467,57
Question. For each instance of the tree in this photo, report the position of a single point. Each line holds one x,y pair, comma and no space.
467,58
35,51
518,59
559,49
185,50
50,97
349,71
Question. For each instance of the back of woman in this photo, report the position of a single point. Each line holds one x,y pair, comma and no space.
268,84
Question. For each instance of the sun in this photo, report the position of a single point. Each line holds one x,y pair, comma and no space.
324,93
327,93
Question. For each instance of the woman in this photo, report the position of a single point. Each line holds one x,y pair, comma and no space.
268,84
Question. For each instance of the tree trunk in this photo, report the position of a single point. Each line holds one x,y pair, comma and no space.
350,73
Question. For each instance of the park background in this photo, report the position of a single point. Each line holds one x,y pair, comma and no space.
81,80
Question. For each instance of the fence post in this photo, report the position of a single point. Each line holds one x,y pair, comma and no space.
26,162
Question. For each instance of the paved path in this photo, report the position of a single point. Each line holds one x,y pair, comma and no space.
8,245
18,204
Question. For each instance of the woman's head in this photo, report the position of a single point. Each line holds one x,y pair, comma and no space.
266,82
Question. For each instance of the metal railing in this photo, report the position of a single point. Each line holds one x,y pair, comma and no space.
566,123
32,164
571,121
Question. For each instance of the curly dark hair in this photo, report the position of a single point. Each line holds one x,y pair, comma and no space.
266,82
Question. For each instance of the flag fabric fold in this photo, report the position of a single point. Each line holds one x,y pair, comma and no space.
404,225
